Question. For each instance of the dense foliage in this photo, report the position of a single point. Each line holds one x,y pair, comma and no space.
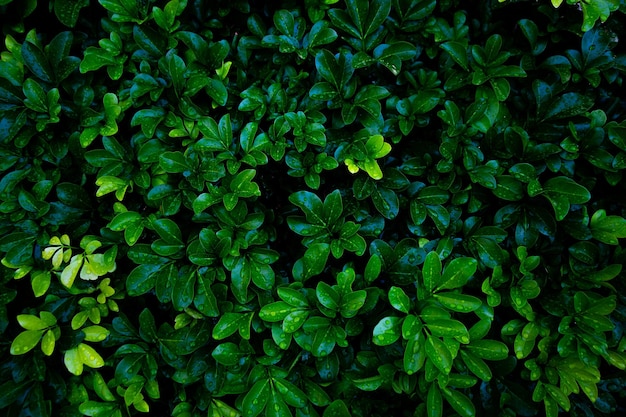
321,207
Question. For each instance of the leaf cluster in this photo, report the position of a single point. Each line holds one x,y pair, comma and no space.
244,208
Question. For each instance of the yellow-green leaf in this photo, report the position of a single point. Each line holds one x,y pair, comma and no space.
89,356
25,341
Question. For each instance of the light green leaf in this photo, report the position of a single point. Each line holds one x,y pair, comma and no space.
387,331
71,271
25,341
89,356
48,342
30,322
73,362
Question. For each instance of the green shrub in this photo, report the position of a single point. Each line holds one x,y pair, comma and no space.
335,208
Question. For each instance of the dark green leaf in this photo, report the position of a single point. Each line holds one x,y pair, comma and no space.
457,273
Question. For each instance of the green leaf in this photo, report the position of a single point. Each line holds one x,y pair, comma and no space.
558,395
25,341
255,400
124,220
292,395
141,279
95,333
35,96
183,290
568,188
457,273
41,282
433,195
492,350
37,62
294,320
593,11
458,52
320,34
168,230
607,229
459,402
431,272
448,328
99,409
327,296
333,207
440,216
173,162
311,205
567,105
352,302
71,271
313,262
48,342
399,300
387,331
336,409
434,403
336,71
458,302
30,322
476,365
230,323
323,91
439,354
67,11
386,202
508,188
373,268
368,16
292,297
88,356
73,362
242,185
227,354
